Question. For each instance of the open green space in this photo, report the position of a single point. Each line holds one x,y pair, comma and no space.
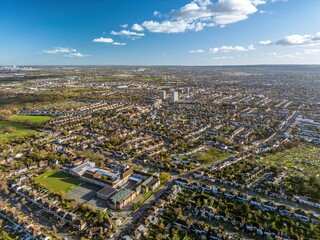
35,119
183,120
11,130
58,181
302,166
303,160
146,78
213,155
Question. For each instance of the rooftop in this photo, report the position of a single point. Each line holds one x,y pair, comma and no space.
121,195
107,191
83,167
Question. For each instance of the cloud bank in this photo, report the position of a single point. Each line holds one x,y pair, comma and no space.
68,52
199,14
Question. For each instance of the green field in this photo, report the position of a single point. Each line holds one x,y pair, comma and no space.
299,160
183,120
58,181
35,119
212,156
11,130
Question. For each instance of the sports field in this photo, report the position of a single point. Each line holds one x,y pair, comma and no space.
35,119
58,181
12,130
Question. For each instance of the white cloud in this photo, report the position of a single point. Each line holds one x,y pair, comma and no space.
58,50
227,49
300,40
167,26
251,47
312,51
174,26
68,52
156,14
103,40
308,54
198,14
108,41
265,12
265,43
223,58
197,51
295,40
118,44
270,54
214,50
128,34
258,2
137,27
77,54
317,36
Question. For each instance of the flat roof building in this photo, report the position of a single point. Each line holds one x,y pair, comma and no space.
163,95
106,192
81,169
175,97
120,185
122,198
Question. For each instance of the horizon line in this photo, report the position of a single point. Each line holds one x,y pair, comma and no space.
155,65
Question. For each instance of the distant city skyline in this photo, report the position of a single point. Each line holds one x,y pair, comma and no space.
176,32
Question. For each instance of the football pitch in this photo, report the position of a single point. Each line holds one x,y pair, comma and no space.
58,181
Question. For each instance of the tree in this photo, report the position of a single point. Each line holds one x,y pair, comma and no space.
177,211
4,235
164,177
161,225
159,236
245,210
114,141
186,237
199,203
62,195
4,187
175,235
135,207
100,216
9,129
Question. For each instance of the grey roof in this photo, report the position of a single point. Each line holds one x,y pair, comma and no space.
107,191
121,195
83,167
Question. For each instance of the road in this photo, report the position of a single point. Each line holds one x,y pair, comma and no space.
290,122
142,209
250,193
130,221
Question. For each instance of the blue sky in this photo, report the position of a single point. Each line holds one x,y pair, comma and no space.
159,32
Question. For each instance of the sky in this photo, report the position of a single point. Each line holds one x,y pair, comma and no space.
159,32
